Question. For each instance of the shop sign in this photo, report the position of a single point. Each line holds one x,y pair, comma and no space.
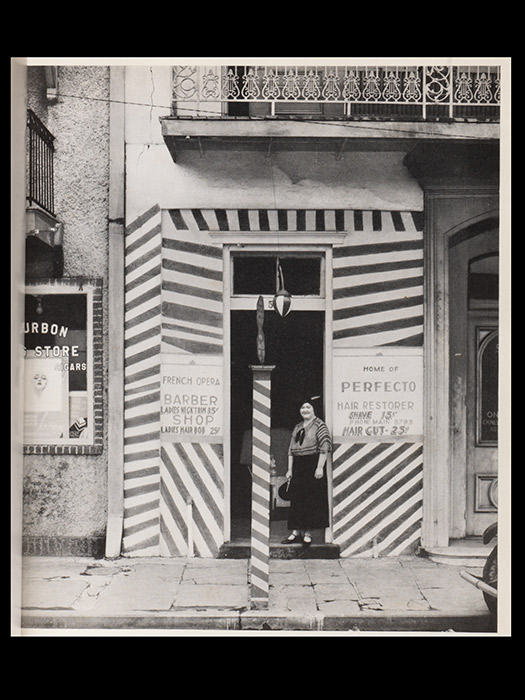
191,406
62,346
377,395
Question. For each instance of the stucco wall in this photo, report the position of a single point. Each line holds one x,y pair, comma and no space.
65,495
247,179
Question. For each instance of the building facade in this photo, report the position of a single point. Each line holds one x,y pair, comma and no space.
372,195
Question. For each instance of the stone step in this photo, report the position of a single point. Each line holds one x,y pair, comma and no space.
241,550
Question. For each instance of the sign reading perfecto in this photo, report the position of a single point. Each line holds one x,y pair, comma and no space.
191,407
377,396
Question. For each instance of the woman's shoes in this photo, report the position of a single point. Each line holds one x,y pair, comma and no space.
292,539
296,539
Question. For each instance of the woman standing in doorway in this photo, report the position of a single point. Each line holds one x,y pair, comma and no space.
307,456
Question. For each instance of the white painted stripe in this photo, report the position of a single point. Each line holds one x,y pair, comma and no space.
382,507
133,520
202,469
349,221
192,280
144,288
379,317
262,509
130,239
417,515
141,536
197,259
370,534
193,302
136,313
178,335
404,525
253,218
378,278
376,259
131,350
211,219
233,219
137,387
343,505
309,220
273,220
153,322
134,483
329,220
180,505
259,527
260,548
214,460
145,267
148,246
259,583
260,491
141,366
408,222
362,506
195,494
351,474
377,297
376,339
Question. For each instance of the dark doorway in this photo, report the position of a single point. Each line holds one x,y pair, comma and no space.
295,345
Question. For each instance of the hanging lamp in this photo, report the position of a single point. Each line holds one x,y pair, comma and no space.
282,301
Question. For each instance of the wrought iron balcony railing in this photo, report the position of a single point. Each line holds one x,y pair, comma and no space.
40,175
344,92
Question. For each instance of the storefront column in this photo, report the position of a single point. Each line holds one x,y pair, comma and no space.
260,524
116,314
436,478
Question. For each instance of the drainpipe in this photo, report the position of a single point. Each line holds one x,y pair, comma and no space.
116,313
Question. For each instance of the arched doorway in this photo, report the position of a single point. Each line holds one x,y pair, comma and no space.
473,344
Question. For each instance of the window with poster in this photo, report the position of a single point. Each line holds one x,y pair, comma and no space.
63,366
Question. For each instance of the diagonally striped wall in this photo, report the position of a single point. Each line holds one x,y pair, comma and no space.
377,497
191,473
191,290
142,334
174,305
378,302
192,324
378,284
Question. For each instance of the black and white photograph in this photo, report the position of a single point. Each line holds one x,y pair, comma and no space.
260,347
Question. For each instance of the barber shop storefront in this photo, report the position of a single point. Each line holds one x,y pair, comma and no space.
284,233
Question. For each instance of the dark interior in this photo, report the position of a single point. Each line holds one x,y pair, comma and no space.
294,344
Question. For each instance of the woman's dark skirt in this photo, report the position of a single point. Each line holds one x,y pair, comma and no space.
309,496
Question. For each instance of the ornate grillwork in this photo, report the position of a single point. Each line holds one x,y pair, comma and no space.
423,92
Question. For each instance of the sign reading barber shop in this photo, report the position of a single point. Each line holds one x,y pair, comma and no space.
377,396
191,406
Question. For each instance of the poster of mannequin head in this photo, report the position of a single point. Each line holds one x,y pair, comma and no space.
45,399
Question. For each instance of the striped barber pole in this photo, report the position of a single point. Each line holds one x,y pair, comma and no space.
377,497
142,333
260,539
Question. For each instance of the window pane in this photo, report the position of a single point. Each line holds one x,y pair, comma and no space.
257,275
254,275
302,276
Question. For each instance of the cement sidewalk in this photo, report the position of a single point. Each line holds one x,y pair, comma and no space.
406,594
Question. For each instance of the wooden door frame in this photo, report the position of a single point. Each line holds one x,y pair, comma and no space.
322,303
